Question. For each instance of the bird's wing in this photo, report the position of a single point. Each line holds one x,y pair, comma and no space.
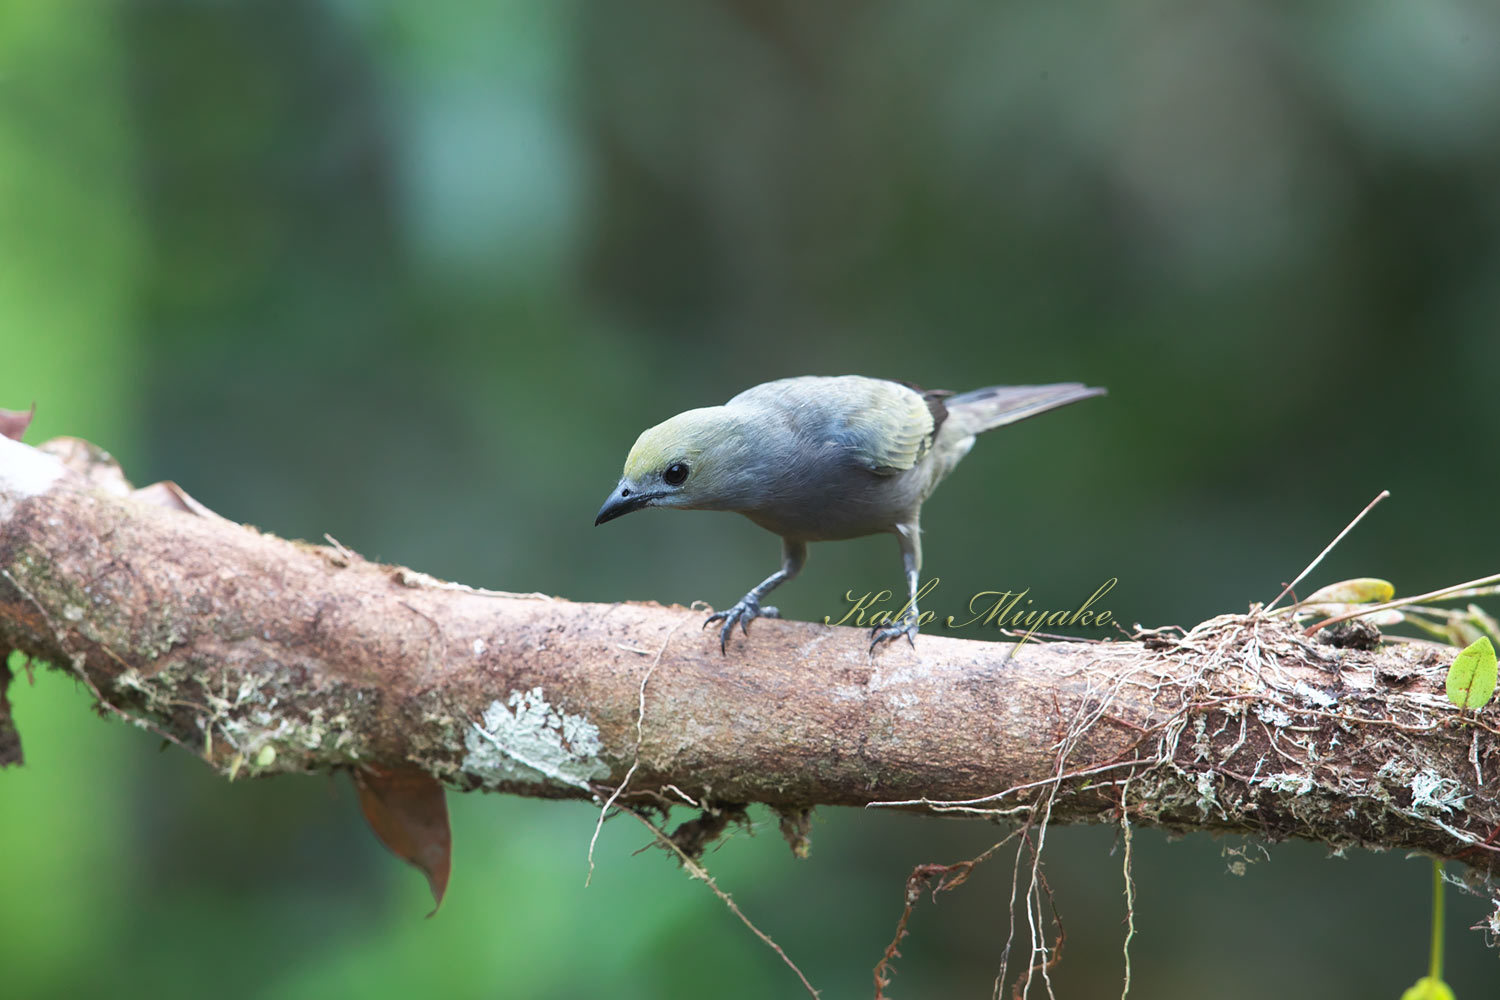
891,426
885,426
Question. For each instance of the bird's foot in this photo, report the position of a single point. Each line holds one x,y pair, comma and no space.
907,626
745,611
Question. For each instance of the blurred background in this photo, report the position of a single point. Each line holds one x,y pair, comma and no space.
417,274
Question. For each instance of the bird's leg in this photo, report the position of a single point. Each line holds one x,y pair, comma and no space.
910,537
793,555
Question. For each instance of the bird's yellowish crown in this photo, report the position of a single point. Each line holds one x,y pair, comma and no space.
682,438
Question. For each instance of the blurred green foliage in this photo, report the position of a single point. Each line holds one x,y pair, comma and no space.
416,274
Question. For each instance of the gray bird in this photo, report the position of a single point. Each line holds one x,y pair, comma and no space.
817,459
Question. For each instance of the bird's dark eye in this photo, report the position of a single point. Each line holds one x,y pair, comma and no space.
676,473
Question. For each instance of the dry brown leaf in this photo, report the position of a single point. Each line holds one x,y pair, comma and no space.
408,812
13,423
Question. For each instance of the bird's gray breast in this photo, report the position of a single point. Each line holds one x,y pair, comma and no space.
816,487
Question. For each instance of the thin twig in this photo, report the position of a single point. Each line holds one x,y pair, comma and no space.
1329,548
697,871
949,877
1129,835
640,737
997,796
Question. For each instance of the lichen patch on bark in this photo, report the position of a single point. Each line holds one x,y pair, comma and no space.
525,739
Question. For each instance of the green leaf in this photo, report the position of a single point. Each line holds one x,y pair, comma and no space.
1428,988
1471,679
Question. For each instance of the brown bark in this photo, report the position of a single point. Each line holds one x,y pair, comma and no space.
266,656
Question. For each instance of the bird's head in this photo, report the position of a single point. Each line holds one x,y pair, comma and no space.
695,460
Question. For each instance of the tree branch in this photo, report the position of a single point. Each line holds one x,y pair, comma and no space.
265,656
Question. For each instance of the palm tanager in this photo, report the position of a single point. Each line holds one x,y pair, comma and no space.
818,459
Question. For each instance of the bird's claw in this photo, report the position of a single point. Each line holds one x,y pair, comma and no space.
745,611
907,626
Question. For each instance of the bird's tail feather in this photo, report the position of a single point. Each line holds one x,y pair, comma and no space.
985,409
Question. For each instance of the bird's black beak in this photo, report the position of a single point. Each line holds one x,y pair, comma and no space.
622,501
